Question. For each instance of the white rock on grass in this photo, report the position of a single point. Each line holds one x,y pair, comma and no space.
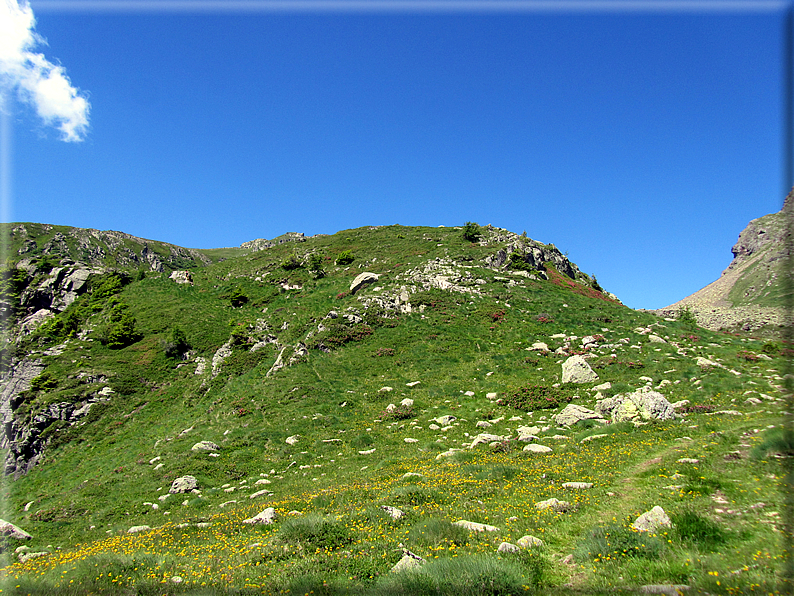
688,460
506,547
535,448
407,402
652,521
393,511
573,413
183,484
205,446
492,395
260,493
577,485
408,562
410,440
485,438
385,389
362,280
9,530
474,526
444,420
592,438
413,384
367,451
137,529
576,370
483,424
268,516
292,440
553,504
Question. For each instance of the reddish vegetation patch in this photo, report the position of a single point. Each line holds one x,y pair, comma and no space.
558,279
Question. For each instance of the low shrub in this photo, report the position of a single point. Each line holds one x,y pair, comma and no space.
315,531
291,263
400,412
338,334
471,231
238,298
687,317
345,258
535,397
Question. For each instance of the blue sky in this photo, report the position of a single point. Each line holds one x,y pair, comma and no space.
639,141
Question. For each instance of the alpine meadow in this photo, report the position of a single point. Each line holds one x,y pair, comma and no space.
385,410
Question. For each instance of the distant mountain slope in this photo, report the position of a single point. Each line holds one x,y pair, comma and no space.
750,293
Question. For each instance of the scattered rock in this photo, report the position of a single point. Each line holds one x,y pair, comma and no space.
136,529
668,589
413,383
407,402
445,420
483,424
576,370
688,460
9,530
410,440
643,404
474,526
655,339
268,516
23,557
539,346
291,440
553,504
205,446
652,520
577,485
408,562
393,511
367,451
363,279
385,389
592,438
535,448
183,484
573,413
181,277
506,547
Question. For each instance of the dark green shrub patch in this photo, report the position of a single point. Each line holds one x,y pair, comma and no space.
338,334
691,526
315,531
345,258
535,397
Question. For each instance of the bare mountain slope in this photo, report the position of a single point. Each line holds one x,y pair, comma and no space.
750,292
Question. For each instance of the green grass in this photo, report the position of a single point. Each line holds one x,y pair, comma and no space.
94,478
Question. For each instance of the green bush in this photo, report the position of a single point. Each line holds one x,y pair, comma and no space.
43,382
238,297
535,397
471,231
687,317
122,330
345,258
175,343
777,440
316,265
517,262
291,263
315,531
338,334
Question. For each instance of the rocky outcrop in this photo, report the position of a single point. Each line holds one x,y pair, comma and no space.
643,404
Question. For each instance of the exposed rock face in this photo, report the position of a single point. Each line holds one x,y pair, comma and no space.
268,516
749,294
643,404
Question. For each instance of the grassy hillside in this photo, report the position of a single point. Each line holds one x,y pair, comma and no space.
464,351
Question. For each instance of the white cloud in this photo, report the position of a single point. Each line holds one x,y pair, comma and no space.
36,80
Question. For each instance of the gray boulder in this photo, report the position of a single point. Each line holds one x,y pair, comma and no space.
643,404
9,530
576,370
573,413
652,521
184,484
